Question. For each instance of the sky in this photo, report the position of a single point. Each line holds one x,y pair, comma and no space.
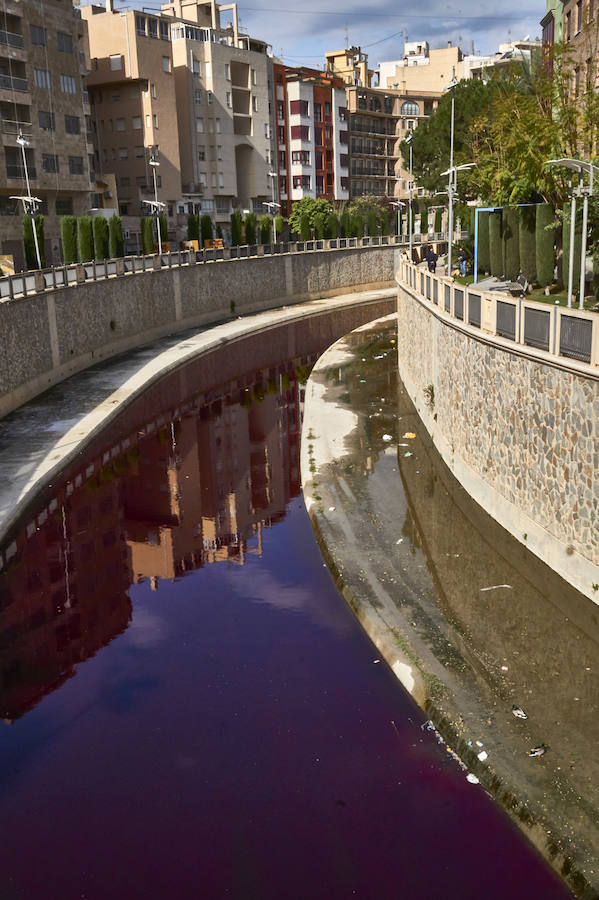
300,33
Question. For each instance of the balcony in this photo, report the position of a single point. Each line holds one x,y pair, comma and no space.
9,39
14,171
13,84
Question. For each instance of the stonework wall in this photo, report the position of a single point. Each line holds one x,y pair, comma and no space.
520,434
52,335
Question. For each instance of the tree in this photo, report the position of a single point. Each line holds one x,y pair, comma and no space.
320,221
193,227
424,220
29,243
438,220
484,254
495,244
528,255
332,227
511,245
545,244
68,234
163,227
386,221
305,231
85,242
265,229
344,223
372,222
116,246
236,228
250,228
147,235
279,226
310,207
206,228
100,229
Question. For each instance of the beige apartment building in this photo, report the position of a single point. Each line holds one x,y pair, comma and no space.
42,95
421,68
181,88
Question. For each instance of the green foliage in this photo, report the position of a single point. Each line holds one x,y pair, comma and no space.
344,223
438,220
304,226
279,226
464,214
545,244
100,229
356,225
39,227
484,254
206,228
236,221
250,228
68,235
332,226
424,220
528,254
163,227
495,244
371,222
511,243
85,241
193,227
116,246
30,256
147,235
320,223
265,229
309,207
566,248
386,221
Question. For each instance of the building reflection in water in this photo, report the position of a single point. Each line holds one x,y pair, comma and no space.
170,496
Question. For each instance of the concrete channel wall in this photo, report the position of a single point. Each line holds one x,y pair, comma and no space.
49,335
517,426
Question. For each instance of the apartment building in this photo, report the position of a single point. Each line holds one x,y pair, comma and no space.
42,95
581,35
312,153
350,65
421,69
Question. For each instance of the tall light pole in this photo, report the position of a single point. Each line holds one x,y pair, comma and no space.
585,191
30,204
451,184
409,138
158,207
273,204
398,206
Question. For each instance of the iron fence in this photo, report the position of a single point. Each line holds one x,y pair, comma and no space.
536,328
506,320
575,338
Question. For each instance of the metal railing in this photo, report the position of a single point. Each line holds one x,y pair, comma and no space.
36,282
554,330
9,39
13,83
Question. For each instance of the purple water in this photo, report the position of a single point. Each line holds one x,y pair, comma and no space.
193,711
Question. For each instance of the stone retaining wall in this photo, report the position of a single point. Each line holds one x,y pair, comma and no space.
46,338
519,433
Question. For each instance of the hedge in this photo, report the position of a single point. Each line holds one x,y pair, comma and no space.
371,223
332,226
424,221
193,227
385,222
484,253
265,229
236,228
250,228
344,224
206,228
305,232
116,245
279,226
495,244
30,255
100,228
527,216
68,234
85,241
320,222
438,220
511,243
147,235
545,244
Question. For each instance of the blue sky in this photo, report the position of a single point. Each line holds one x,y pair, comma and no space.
300,33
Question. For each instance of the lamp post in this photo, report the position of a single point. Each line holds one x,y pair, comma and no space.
30,204
409,138
585,191
158,207
273,204
398,205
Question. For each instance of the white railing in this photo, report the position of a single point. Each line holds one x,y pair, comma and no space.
36,282
556,330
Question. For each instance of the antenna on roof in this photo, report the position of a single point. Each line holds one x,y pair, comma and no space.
346,36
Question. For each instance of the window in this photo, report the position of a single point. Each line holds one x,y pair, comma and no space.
68,85
152,28
197,96
76,165
116,62
120,124
222,204
201,153
123,153
301,181
155,120
266,130
280,110
283,182
213,179
342,113
300,133
227,72
64,206
38,35
318,159
221,180
302,157
136,122
209,98
49,162
567,29
282,158
317,112
41,78
208,70
199,126
228,99
280,134
217,122
166,63
253,76
327,112
115,98
164,31
125,181
139,153
578,16
219,151
140,24
46,120
409,108
299,108
318,137
254,104
319,184
65,42
123,209
153,91
72,124
148,121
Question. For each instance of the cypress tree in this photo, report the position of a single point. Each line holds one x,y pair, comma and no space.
484,258
304,227
147,235
163,227
250,228
385,222
29,243
424,221
193,227
511,243
100,228
332,228
495,244
320,222
371,223
85,241
68,234
206,228
527,216
116,246
356,225
279,226
438,220
566,248
344,224
236,228
39,227
545,244
265,229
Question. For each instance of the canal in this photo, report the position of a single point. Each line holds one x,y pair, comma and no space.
190,706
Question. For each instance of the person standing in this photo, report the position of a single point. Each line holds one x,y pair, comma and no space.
463,261
431,258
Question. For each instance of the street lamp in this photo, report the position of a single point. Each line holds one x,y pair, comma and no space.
155,206
409,138
30,204
585,191
452,182
398,206
273,204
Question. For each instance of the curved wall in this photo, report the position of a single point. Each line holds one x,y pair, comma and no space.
49,336
519,432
